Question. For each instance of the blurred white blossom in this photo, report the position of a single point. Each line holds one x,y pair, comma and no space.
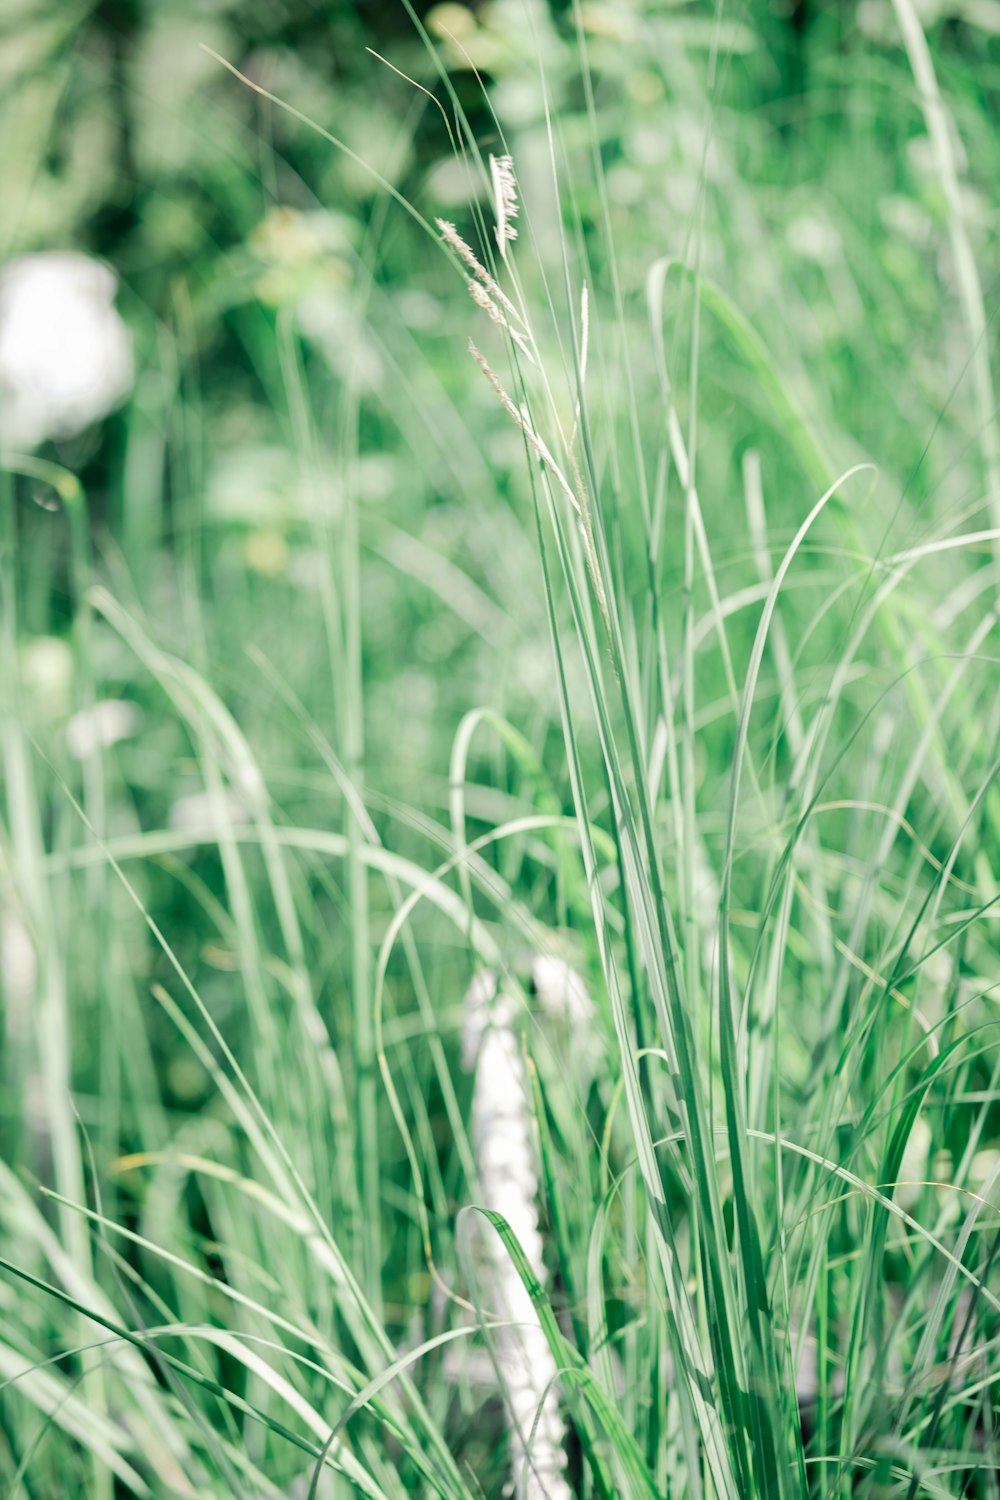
922,154
18,963
914,1168
104,724
984,1169
502,1137
65,354
876,21
560,990
47,675
814,237
199,811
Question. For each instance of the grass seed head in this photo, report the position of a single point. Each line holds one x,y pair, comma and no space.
505,202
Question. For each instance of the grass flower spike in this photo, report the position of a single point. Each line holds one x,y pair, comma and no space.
505,203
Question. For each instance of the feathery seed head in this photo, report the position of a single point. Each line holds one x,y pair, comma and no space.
482,299
505,203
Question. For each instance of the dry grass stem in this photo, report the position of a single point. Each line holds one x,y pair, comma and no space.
576,499
482,298
467,255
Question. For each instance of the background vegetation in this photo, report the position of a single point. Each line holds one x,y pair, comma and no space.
739,775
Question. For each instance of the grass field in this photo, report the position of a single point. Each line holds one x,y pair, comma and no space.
499,735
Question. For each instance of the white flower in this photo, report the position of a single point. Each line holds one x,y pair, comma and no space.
984,1166
47,675
18,965
201,811
107,722
65,354
813,237
914,1169
503,1141
560,990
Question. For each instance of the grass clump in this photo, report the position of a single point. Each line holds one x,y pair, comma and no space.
498,861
